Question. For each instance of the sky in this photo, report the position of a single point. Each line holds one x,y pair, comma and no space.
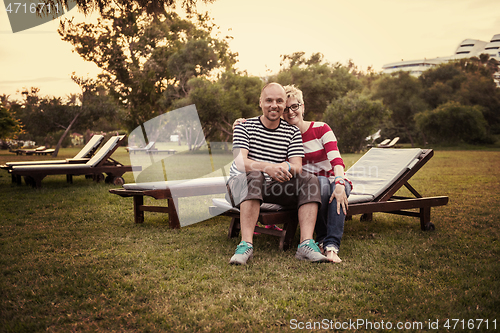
371,33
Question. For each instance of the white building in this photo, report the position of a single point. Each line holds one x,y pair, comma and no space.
466,49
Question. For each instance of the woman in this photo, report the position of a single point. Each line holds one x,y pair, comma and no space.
322,158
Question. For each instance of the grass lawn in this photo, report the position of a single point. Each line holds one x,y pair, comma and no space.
73,260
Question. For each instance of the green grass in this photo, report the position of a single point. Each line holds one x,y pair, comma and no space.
73,260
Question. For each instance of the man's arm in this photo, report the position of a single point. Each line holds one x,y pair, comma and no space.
278,172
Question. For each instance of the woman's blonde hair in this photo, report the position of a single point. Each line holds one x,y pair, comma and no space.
292,91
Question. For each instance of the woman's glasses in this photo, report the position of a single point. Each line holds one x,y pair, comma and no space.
293,107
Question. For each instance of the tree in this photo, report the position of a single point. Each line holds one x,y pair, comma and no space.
220,103
452,123
10,127
43,117
321,83
148,60
150,7
466,81
352,118
401,93
95,104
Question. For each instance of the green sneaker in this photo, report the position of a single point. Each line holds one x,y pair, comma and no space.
309,250
244,251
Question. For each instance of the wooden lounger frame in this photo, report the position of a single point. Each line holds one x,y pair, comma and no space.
107,165
386,202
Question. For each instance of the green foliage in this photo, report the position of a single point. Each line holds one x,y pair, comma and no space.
401,93
10,127
352,118
468,82
452,123
150,7
321,83
220,103
148,60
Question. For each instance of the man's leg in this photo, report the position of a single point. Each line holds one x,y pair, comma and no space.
307,220
246,191
304,192
249,213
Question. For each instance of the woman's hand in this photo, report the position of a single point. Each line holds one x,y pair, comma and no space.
238,121
339,194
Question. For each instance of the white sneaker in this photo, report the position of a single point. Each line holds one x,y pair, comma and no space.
309,250
244,251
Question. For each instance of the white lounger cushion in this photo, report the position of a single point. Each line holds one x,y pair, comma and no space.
379,168
91,163
197,182
93,142
371,175
108,146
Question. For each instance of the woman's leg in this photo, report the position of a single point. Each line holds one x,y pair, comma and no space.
335,225
321,220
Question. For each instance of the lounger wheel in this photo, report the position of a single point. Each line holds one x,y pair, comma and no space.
430,227
118,181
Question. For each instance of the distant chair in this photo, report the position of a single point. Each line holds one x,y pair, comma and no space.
390,144
383,143
150,147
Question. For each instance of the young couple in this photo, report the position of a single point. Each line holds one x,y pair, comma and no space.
286,162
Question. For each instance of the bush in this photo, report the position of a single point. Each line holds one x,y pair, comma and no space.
453,123
352,118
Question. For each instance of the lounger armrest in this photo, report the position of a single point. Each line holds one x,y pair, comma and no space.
77,160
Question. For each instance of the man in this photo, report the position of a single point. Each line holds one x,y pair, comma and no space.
261,173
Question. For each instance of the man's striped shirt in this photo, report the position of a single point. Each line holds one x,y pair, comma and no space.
267,145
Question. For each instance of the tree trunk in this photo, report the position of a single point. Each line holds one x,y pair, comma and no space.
59,143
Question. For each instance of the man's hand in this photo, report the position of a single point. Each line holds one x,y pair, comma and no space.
279,172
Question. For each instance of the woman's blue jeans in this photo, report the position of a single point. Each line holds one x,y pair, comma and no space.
329,224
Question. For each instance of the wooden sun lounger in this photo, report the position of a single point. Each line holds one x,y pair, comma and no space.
170,191
366,204
82,157
34,151
149,147
100,164
387,144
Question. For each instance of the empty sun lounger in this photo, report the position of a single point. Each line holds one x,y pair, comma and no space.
100,164
28,151
149,147
82,157
376,177
388,143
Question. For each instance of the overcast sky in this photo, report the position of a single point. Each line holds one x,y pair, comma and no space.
371,33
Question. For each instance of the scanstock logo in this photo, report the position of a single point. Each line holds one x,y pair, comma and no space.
25,15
